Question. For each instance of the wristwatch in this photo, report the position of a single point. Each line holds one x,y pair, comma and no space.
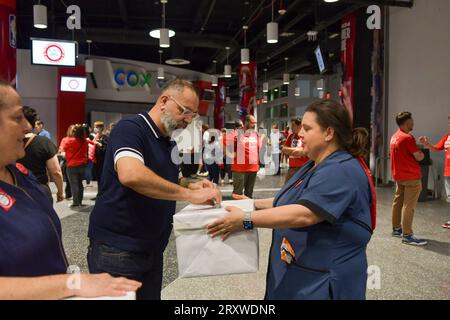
248,223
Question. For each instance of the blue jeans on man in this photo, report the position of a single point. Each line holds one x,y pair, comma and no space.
140,266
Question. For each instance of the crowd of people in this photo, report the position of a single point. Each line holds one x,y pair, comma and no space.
323,216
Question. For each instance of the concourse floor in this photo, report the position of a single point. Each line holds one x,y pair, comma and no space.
406,272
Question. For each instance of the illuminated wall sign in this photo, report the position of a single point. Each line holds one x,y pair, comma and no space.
132,78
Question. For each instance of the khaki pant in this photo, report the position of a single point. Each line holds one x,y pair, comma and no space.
405,200
244,181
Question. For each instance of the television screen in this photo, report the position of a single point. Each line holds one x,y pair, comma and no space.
73,84
320,60
53,52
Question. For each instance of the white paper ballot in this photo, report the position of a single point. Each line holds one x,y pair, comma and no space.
200,255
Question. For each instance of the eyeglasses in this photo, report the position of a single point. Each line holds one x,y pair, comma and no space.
185,111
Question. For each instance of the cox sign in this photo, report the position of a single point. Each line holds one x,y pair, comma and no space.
132,78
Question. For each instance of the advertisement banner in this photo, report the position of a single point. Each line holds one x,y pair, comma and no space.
348,38
219,105
247,89
8,41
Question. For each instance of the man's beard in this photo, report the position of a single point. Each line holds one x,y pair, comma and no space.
169,124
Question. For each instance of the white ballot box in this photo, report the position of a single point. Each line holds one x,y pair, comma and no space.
200,255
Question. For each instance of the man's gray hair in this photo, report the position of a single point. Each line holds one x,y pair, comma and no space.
179,85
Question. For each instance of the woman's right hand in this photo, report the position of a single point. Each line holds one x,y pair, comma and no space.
99,285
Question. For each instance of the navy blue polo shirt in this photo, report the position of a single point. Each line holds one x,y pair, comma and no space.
122,217
30,230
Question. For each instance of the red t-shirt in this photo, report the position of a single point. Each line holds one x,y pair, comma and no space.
403,164
293,141
444,144
76,151
246,148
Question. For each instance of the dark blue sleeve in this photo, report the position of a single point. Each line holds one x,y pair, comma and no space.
329,193
127,141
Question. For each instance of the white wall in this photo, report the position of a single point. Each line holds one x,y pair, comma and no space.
419,69
37,85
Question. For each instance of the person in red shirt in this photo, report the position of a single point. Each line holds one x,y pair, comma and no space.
407,175
76,154
246,159
443,144
293,148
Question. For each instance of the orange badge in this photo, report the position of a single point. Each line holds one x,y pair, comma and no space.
287,253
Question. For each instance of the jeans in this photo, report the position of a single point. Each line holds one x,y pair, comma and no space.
140,266
405,200
88,171
214,172
67,190
76,175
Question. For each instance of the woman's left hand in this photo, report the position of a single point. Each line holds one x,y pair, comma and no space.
231,222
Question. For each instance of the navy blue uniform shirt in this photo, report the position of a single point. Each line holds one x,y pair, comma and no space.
122,217
30,230
330,257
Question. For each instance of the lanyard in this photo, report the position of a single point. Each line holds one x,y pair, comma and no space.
373,207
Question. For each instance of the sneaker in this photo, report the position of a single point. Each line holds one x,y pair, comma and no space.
446,225
397,232
412,240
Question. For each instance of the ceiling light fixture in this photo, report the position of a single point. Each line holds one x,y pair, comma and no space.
227,67
160,69
163,34
89,63
272,29
265,83
245,52
40,16
285,74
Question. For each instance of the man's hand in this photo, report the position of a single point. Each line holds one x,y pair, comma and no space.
424,140
205,196
201,184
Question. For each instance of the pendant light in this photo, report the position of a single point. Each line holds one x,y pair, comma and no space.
89,63
285,74
245,52
160,69
227,67
40,16
272,29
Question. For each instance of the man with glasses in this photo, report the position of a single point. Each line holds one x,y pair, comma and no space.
131,222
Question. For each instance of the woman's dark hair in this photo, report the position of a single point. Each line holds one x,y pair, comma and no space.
31,115
402,117
297,120
331,114
79,132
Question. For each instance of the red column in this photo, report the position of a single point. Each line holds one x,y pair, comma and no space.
247,87
70,106
8,40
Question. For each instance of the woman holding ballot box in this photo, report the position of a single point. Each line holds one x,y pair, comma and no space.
32,258
323,217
